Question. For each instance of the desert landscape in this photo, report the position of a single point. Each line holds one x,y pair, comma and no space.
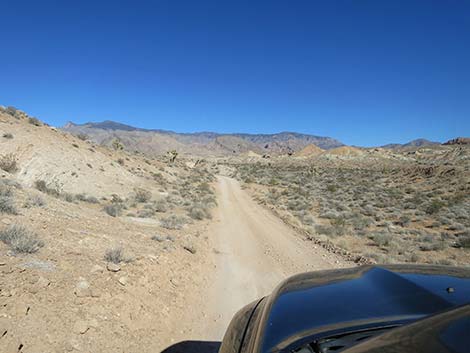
120,240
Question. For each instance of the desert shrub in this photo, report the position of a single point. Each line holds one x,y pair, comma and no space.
82,137
173,222
434,207
34,121
382,239
329,214
380,258
121,161
7,135
307,219
7,205
360,223
437,246
339,226
34,201
197,211
369,210
404,221
446,262
6,190
414,258
117,145
20,239
205,188
325,230
209,201
162,238
160,205
298,204
42,186
12,111
11,183
464,242
114,209
86,198
80,197
8,163
68,197
159,238
115,255
331,188
142,195
116,199
145,213
91,199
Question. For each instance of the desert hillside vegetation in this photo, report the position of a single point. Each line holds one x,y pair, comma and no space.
96,243
387,207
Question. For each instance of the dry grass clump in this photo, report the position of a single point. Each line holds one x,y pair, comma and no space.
161,205
34,201
42,186
7,202
7,205
142,195
199,211
20,239
173,222
163,238
116,255
8,163
86,198
145,213
464,242
382,239
12,111
55,191
82,137
34,121
113,209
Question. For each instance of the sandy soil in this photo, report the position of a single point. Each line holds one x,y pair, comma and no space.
64,299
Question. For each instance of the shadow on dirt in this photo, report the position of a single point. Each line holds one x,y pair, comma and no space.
193,347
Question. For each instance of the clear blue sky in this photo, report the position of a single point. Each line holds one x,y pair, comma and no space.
367,72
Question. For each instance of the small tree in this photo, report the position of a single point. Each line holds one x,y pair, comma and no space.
117,145
172,155
8,163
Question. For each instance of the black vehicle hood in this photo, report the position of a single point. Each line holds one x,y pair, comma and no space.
367,296
445,332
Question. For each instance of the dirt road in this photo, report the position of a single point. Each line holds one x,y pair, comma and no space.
254,251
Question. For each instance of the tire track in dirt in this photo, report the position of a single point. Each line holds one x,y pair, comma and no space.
255,251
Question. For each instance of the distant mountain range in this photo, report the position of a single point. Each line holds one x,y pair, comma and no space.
413,143
154,141
157,141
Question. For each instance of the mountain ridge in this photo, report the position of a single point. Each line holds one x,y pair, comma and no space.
419,142
114,125
204,143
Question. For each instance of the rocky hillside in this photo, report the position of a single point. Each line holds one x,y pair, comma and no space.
201,143
100,249
459,141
